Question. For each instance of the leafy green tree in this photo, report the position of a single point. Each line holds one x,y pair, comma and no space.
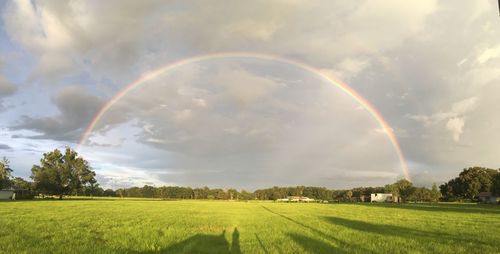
495,187
232,193
20,183
348,195
5,173
62,173
148,191
470,182
109,193
93,188
435,193
245,195
420,194
476,180
402,188
121,193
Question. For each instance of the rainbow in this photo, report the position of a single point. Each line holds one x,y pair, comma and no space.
330,79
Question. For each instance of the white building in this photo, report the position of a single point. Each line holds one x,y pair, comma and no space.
6,194
381,197
295,199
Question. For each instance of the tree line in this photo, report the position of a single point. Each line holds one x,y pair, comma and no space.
67,173
402,188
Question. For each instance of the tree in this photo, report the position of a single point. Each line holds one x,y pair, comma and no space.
402,188
20,183
93,188
148,191
348,195
232,193
469,183
109,193
5,173
121,193
435,194
60,174
495,187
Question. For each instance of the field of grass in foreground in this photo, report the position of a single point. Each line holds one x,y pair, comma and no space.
142,226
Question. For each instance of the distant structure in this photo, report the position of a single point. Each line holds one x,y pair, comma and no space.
295,199
6,194
488,197
13,194
383,198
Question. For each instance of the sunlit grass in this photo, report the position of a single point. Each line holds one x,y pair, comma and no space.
148,226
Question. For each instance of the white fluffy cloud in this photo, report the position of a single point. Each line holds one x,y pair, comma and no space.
455,126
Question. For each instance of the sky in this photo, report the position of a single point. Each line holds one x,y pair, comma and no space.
430,68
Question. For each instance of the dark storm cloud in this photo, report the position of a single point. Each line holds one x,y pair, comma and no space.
76,109
5,147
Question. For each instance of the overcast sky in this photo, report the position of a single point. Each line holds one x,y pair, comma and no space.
431,68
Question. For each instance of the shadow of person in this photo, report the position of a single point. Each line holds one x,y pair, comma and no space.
205,243
235,245
200,243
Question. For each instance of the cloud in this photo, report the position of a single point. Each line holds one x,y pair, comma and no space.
430,68
254,127
6,89
459,108
488,54
455,126
76,109
67,36
5,147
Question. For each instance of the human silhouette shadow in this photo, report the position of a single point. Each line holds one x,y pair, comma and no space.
235,244
203,243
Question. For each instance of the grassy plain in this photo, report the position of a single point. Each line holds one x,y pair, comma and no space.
153,226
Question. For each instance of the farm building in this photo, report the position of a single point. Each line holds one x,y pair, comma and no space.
488,197
383,198
6,194
16,194
295,199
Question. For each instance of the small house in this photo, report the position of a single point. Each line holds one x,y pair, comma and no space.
6,194
488,197
382,198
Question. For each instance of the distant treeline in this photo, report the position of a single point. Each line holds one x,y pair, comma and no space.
402,188
67,173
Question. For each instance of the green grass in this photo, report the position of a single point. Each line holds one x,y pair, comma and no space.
143,226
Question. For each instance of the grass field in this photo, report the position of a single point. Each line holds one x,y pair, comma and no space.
142,226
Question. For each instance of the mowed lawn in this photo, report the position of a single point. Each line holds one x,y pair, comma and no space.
153,226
